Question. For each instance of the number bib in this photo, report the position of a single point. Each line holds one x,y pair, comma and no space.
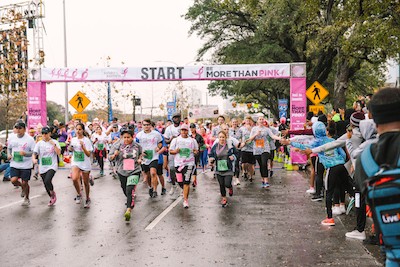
100,146
203,147
18,157
79,156
148,154
260,143
184,152
132,180
222,165
47,161
128,164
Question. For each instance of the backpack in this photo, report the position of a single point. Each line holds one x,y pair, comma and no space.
383,196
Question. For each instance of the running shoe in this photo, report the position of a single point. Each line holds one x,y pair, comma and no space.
26,202
172,190
231,191
328,221
245,177
336,210
271,173
127,216
91,181
351,205
356,235
22,192
311,190
87,203
154,195
185,203
101,173
342,209
262,185
151,191
251,179
266,185
78,199
317,198
163,191
223,202
53,199
237,181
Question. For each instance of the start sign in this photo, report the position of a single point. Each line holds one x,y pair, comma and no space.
79,101
316,93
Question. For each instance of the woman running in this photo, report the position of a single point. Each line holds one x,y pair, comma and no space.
128,156
81,146
99,140
223,155
47,151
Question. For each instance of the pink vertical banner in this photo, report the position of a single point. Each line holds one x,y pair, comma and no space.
37,105
298,112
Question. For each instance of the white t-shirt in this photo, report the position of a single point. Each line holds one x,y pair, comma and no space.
185,157
16,145
79,157
149,142
101,140
172,131
47,155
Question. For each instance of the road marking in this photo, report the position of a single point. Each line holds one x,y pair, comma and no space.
14,203
163,214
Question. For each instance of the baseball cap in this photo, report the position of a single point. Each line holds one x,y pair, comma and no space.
46,130
184,127
176,115
192,125
20,124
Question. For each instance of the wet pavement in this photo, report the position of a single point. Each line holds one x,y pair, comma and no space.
275,227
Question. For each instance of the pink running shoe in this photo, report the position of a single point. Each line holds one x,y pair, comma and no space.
53,199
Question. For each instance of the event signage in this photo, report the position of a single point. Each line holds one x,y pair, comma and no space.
80,116
168,73
298,110
171,109
282,107
79,101
316,108
316,93
37,106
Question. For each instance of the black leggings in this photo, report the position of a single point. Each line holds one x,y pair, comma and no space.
263,162
129,191
335,178
319,176
100,155
47,180
225,181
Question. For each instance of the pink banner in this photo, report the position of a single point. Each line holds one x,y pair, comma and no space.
298,112
37,106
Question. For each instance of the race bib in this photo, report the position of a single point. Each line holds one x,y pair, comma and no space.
79,156
132,180
100,146
222,165
18,157
128,164
148,154
260,143
184,152
203,147
47,161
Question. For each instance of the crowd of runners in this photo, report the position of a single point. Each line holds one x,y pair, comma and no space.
174,152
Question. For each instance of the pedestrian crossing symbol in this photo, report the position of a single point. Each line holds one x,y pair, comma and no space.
79,101
316,93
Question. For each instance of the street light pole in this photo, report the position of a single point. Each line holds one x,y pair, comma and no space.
65,64
134,108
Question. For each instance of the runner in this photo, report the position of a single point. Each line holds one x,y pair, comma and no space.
223,154
151,142
47,150
200,142
128,157
184,148
261,148
236,133
215,130
82,148
100,141
248,158
19,150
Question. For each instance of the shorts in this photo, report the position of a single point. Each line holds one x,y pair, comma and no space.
159,169
184,175
153,164
271,154
24,174
248,157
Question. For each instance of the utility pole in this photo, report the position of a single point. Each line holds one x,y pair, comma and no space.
134,108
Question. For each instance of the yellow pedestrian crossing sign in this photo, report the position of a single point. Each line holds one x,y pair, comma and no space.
79,101
316,93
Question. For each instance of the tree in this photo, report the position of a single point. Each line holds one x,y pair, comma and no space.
337,39
55,112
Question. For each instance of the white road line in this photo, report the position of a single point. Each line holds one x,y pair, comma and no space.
14,203
163,214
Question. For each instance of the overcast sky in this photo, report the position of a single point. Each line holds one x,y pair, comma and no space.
136,32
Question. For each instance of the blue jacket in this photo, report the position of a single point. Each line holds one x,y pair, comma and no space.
328,158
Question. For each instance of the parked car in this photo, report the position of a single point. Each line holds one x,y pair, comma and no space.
3,135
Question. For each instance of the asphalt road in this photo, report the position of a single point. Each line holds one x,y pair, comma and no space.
275,227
